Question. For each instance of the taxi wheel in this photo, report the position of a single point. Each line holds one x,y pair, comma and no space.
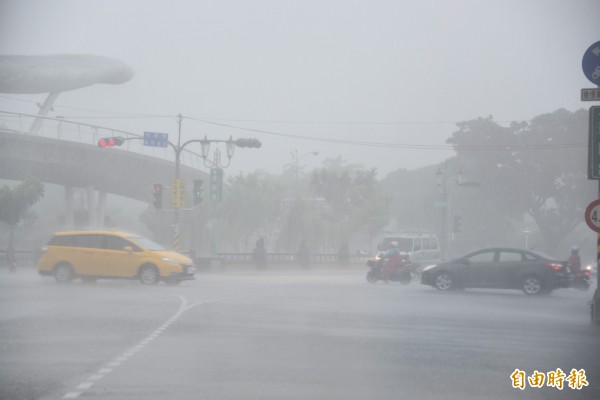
63,273
149,275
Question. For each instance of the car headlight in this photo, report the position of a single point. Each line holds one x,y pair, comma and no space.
169,260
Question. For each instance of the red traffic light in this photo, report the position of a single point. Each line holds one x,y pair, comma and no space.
111,141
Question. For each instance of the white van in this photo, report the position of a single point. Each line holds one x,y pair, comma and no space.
422,248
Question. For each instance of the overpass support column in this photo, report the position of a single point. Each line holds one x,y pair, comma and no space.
91,206
69,200
100,207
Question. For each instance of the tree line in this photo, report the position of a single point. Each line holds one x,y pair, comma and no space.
531,177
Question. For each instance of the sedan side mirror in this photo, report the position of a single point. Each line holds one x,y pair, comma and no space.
128,249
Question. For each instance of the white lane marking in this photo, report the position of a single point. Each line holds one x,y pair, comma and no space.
104,370
85,385
183,307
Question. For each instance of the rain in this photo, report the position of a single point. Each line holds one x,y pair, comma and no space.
299,200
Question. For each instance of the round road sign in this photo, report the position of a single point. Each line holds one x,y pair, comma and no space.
591,63
592,215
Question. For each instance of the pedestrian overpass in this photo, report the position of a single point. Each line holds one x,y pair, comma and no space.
66,153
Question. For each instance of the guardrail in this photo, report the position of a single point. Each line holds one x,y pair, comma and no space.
63,129
22,257
286,258
30,257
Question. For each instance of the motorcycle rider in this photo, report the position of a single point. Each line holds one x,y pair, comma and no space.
394,258
574,261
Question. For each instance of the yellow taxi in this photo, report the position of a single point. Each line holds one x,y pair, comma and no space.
91,255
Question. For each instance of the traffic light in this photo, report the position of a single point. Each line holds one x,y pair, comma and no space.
216,184
198,195
158,195
111,141
457,223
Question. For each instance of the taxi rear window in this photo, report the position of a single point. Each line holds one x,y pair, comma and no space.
64,240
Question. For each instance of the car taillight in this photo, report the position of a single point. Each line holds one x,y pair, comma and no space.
554,266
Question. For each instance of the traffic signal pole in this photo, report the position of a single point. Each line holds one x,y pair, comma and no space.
178,150
162,140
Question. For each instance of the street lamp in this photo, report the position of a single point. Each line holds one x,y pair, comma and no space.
526,232
216,172
296,158
216,163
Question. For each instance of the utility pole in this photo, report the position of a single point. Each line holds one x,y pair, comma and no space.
178,149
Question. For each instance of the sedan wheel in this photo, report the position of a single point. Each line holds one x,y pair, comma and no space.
149,276
532,285
63,273
443,281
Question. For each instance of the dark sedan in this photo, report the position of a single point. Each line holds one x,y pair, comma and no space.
499,268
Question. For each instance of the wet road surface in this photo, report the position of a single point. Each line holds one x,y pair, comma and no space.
287,335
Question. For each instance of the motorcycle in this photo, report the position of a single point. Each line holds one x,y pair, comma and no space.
403,272
581,280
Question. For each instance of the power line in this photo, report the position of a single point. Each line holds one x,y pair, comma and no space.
400,145
121,115
305,122
345,141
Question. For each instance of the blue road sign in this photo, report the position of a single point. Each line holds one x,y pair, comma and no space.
591,63
156,139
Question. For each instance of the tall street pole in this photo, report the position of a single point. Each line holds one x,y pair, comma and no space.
596,297
177,163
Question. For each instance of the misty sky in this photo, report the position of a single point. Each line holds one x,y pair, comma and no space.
401,72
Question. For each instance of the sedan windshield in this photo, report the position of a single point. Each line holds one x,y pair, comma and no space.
146,243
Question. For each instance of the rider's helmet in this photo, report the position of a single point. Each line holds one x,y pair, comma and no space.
394,244
574,250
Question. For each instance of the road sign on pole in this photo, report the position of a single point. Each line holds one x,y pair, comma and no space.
592,215
590,94
591,63
441,204
178,193
594,144
156,139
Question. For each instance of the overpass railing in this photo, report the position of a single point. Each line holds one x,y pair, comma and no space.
62,129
